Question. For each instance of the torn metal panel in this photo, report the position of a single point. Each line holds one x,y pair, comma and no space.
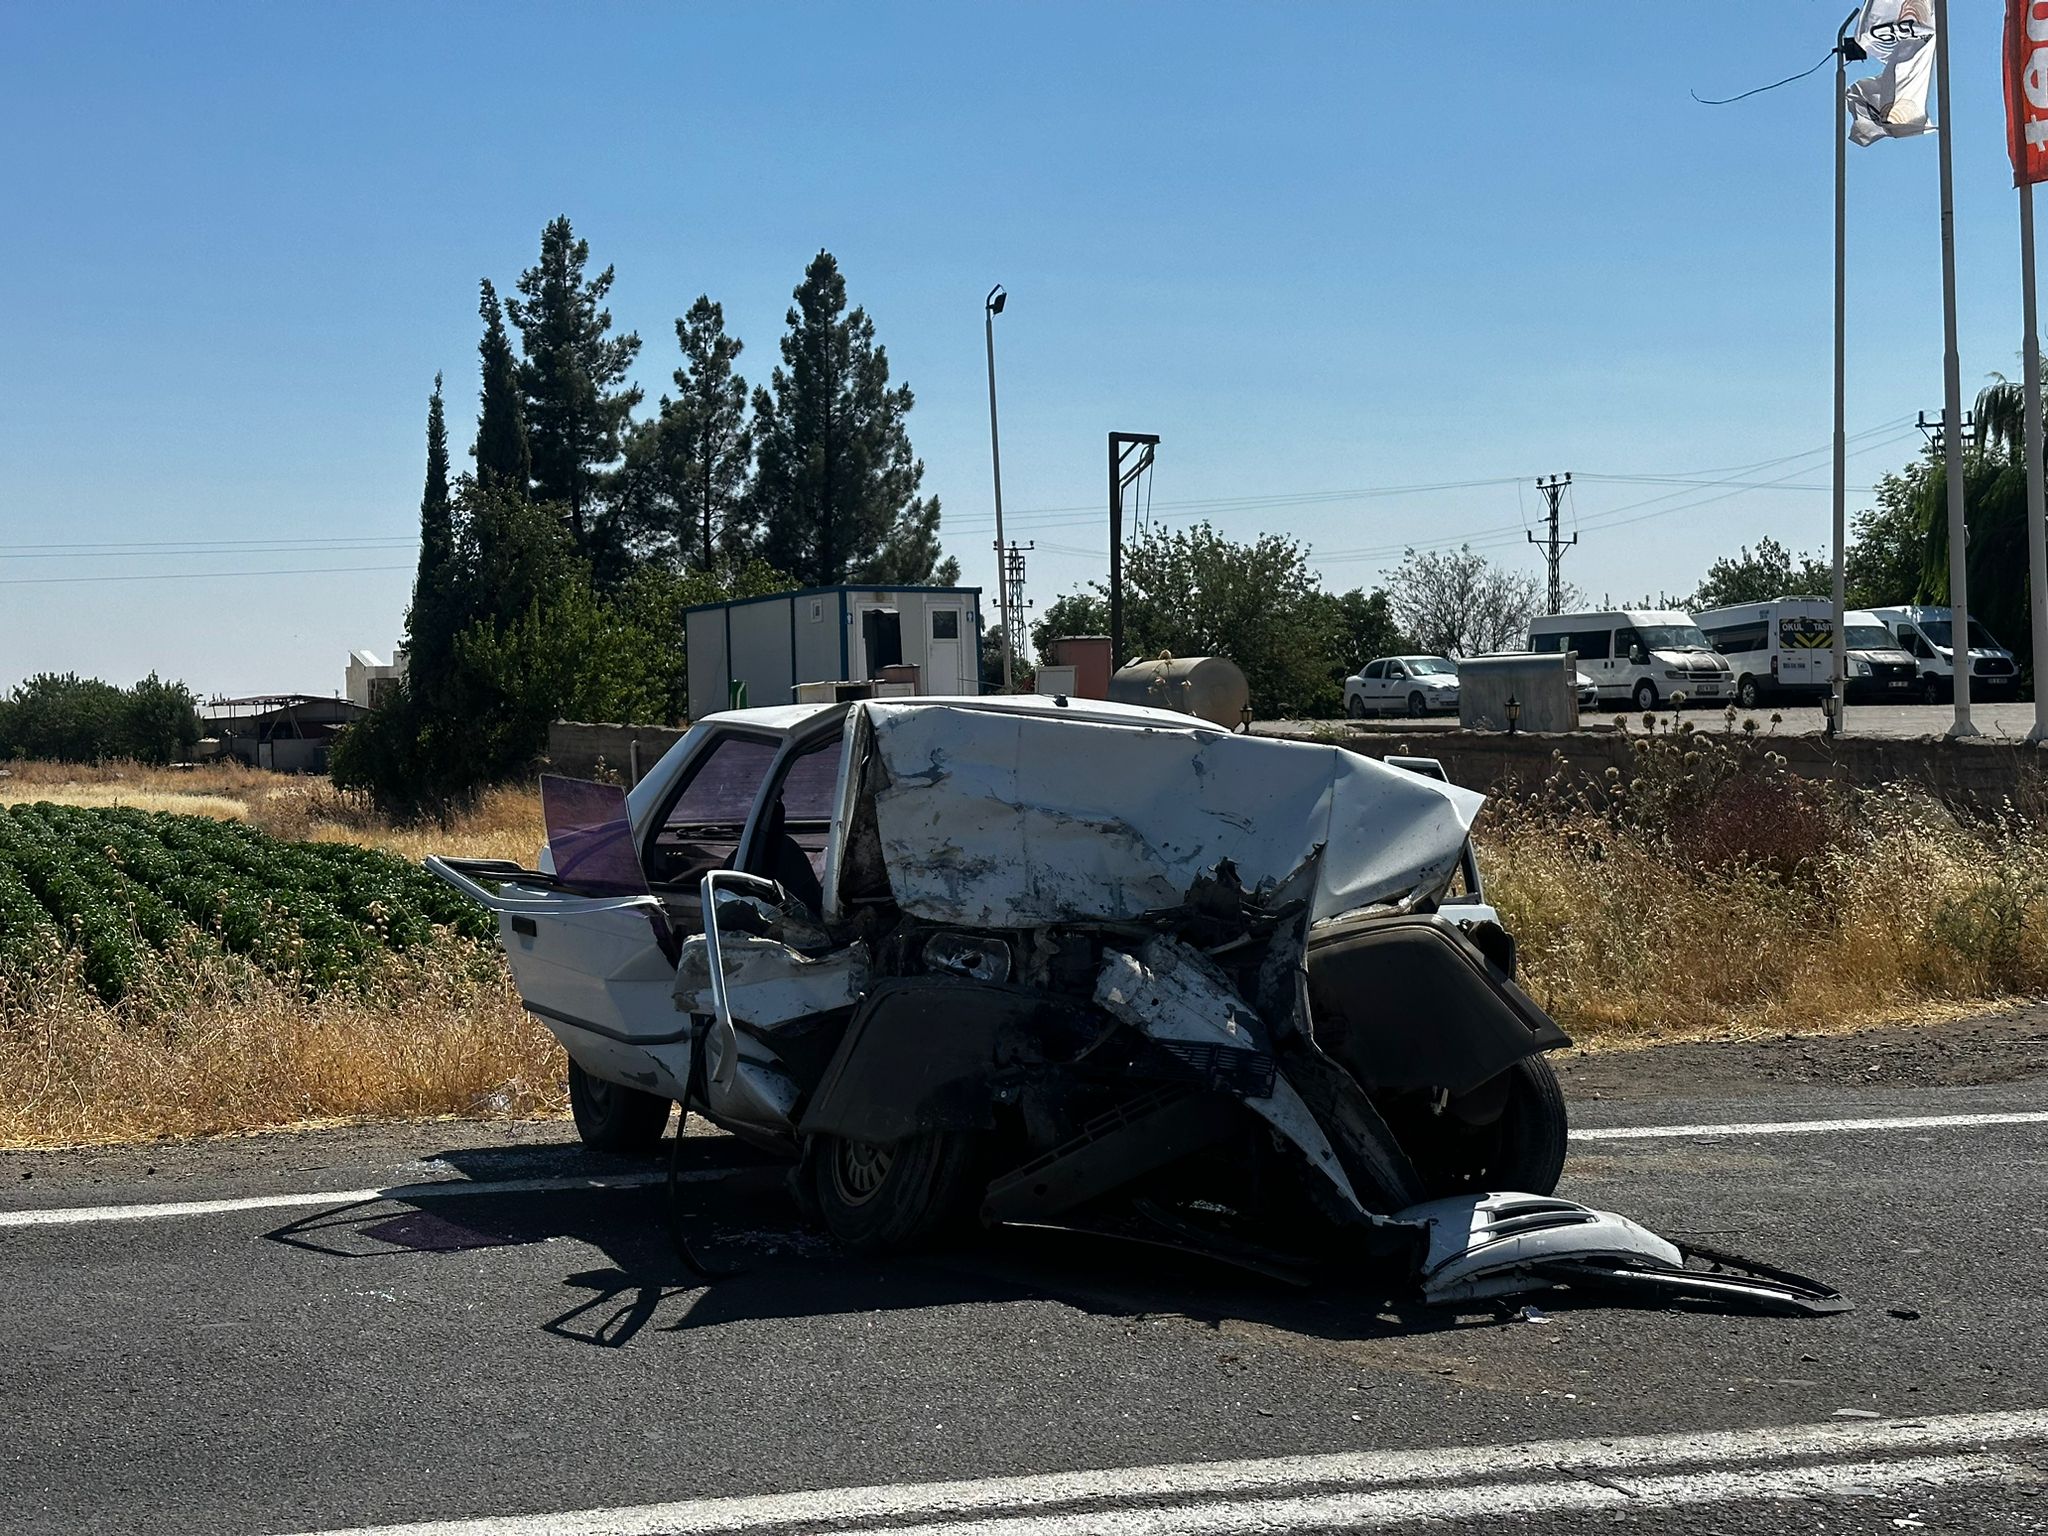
1485,1247
767,982
1171,992
998,819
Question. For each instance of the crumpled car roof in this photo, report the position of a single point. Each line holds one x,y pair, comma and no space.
1009,820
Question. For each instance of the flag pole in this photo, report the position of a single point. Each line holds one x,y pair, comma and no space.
1841,493
1952,397
2037,526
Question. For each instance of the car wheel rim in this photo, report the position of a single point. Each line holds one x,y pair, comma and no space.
858,1170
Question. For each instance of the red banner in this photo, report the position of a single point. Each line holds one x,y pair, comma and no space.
2026,89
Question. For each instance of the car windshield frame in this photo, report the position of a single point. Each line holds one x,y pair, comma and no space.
1869,637
1429,666
1671,637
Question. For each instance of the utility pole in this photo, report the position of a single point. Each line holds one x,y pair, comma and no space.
1014,605
991,307
1846,48
1952,392
1553,491
1121,473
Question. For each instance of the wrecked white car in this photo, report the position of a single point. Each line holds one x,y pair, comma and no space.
1044,961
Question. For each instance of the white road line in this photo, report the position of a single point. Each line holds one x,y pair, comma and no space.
436,1189
1051,1496
77,1215
1490,1502
1810,1127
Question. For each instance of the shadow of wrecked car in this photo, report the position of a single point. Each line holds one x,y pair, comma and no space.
1041,961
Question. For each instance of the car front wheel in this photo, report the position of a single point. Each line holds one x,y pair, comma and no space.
1417,707
1746,693
613,1118
884,1199
1646,695
1508,1134
1930,689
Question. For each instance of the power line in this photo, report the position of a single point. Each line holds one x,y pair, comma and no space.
305,570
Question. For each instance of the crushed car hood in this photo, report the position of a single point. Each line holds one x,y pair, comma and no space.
997,820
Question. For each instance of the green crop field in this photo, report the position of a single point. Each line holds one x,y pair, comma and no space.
121,898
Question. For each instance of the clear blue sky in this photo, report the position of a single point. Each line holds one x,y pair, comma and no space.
1318,249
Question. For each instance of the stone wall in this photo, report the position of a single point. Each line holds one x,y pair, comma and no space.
578,750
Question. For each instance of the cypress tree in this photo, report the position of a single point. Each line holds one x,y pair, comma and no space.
435,614
573,375
836,482
503,462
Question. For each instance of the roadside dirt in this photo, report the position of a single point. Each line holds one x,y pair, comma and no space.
1956,1053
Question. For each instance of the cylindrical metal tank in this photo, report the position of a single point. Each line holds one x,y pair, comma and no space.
1208,687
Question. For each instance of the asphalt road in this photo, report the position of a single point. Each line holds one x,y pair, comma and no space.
277,1347
2000,721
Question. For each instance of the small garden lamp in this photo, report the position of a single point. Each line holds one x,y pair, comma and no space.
1514,708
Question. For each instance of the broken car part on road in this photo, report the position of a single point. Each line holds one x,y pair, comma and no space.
1061,962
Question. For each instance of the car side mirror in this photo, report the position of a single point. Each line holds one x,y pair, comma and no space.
1635,654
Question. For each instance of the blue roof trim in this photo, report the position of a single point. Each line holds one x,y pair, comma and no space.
777,597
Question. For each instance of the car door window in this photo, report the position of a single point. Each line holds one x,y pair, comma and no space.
1395,671
797,824
700,829
1376,670
1625,640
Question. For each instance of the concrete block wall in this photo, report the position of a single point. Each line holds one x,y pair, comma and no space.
1975,773
575,748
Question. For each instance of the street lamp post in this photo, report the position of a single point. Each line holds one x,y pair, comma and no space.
991,307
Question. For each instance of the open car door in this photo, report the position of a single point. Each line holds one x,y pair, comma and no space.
591,946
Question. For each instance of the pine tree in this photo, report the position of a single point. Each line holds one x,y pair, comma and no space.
436,611
682,492
572,378
502,460
835,487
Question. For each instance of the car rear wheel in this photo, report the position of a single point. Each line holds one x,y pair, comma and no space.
883,1199
613,1118
1646,695
1416,707
1508,1134
1354,706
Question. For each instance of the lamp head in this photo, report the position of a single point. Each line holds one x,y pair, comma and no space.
996,299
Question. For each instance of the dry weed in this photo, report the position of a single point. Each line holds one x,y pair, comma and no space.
441,1036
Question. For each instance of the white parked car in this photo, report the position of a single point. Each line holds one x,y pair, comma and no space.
1036,960
1402,685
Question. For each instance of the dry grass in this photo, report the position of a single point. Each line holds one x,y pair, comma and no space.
1759,906
444,1036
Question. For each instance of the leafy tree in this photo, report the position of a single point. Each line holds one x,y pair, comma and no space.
1771,571
1882,562
1995,497
684,484
437,597
63,717
1363,626
573,377
1192,592
159,721
1459,603
502,458
835,483
1077,613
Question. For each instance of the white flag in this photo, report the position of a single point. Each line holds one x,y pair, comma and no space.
1892,104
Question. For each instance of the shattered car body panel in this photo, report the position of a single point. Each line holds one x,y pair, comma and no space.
1000,820
1082,963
